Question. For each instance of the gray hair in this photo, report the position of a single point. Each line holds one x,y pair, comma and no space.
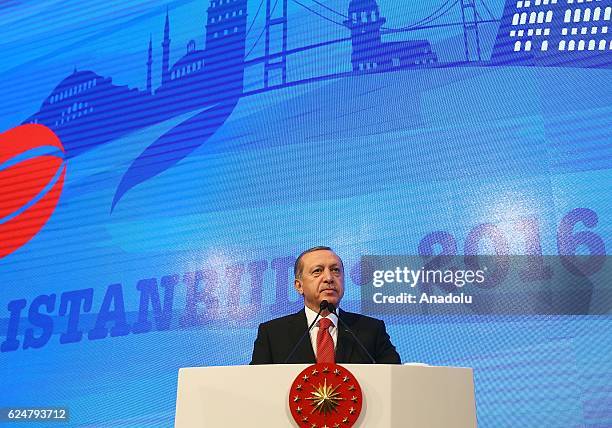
299,266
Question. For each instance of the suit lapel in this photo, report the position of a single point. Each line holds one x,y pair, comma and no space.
345,341
304,353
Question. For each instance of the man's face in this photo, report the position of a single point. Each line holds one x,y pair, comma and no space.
322,279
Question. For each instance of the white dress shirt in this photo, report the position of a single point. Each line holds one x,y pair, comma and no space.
333,329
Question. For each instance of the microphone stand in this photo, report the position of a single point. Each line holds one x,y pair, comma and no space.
322,306
332,309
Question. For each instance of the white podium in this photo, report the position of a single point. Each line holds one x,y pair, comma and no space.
393,396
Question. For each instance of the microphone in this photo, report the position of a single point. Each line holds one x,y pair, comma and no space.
332,309
322,306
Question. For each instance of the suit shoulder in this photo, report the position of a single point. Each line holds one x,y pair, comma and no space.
361,319
277,322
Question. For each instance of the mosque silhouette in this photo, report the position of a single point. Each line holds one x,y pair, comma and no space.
87,109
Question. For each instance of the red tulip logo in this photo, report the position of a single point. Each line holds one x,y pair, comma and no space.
32,174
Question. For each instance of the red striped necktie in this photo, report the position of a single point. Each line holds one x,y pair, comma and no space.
325,342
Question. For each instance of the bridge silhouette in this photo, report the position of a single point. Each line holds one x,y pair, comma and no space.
470,22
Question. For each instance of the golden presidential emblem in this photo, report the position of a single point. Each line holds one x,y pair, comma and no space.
325,396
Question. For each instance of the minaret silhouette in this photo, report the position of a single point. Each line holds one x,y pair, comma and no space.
166,52
149,64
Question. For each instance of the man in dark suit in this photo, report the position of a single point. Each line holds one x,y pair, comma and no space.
319,275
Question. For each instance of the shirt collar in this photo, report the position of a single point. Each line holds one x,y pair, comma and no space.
311,315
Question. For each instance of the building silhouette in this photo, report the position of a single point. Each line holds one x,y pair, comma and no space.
87,109
370,52
212,73
572,33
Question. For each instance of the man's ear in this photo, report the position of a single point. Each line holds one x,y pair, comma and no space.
298,286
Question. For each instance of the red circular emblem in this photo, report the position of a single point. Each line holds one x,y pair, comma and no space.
325,396
32,171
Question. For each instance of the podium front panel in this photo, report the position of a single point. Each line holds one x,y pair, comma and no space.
394,396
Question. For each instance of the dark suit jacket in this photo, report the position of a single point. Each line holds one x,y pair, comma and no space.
276,339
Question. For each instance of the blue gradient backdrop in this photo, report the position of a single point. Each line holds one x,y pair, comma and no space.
216,181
